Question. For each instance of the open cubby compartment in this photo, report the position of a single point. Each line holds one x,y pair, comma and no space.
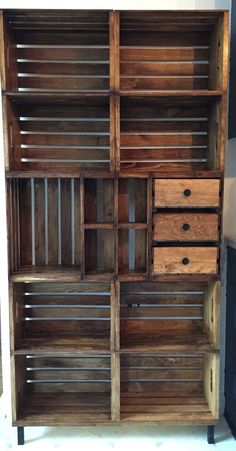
173,316
132,251
62,51
70,389
171,134
57,135
132,202
44,219
173,50
99,252
170,388
98,201
71,316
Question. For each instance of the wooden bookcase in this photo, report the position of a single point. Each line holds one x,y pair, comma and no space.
114,130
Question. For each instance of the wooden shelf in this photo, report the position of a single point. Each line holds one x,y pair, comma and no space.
59,345
152,344
159,409
47,409
171,93
33,273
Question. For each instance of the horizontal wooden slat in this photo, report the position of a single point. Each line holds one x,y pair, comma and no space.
161,361
149,140
183,83
63,54
157,312
162,126
63,83
64,69
154,68
152,375
163,54
149,155
163,39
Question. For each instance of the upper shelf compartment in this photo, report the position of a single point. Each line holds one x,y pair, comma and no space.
173,51
63,52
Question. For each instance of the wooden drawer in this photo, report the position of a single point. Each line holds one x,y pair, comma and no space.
184,260
186,227
187,193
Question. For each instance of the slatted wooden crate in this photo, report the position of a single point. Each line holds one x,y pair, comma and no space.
45,134
172,388
174,134
179,50
169,317
47,316
67,52
74,387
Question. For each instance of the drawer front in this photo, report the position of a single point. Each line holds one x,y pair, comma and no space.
187,193
186,227
184,260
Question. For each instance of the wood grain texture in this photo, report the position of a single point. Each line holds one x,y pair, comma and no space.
170,193
169,260
186,227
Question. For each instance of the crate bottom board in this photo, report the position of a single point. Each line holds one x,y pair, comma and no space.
73,409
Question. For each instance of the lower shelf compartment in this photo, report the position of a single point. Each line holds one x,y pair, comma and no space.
169,388
150,407
65,408
57,390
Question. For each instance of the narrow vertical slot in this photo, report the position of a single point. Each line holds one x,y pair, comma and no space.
33,220
131,208
72,221
100,218
81,194
59,220
46,218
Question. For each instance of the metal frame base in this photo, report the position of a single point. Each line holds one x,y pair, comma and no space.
20,436
211,435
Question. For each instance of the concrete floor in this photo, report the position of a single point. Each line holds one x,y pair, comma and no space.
171,438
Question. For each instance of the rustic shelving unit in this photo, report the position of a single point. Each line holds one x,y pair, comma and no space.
114,154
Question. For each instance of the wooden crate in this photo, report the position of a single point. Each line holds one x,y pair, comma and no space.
170,388
76,388
171,134
165,317
69,52
173,51
52,316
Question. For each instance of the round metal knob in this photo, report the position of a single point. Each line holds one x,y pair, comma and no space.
187,192
185,261
186,227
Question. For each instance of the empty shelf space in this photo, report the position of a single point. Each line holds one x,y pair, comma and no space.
171,51
61,316
98,201
63,390
65,54
46,273
163,317
168,388
163,134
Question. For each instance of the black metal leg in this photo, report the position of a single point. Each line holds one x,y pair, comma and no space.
210,435
20,436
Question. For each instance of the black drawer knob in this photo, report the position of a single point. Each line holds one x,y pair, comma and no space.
187,192
186,227
185,261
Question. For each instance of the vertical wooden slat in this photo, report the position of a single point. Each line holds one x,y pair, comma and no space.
149,224
91,263
90,200
52,222
39,223
115,347
222,131
65,222
123,204
25,222
114,41
218,70
211,382
140,250
212,312
117,132
116,243
140,200
8,59
225,51
123,250
77,251
82,237
72,186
